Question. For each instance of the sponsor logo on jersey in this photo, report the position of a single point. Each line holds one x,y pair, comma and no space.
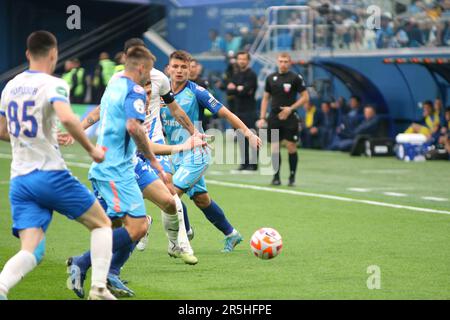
287,87
212,101
138,89
139,106
275,78
62,91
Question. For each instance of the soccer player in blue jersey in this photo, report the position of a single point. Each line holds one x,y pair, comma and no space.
189,167
121,133
30,105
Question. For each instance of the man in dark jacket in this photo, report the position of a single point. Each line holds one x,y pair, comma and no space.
368,127
242,87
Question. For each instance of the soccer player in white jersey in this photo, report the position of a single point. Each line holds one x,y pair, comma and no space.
164,198
30,105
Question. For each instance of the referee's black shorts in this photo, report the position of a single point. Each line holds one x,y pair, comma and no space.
288,129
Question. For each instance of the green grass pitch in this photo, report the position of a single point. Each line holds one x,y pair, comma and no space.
328,244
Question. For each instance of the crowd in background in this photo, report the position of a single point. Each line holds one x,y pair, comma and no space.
343,24
88,87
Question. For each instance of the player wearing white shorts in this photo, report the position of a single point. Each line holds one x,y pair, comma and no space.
30,105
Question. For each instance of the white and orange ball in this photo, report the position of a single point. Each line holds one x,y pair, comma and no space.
266,243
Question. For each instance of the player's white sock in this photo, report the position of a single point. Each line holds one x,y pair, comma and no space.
183,240
101,254
15,269
170,223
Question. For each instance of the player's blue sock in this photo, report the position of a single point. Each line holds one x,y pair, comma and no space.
121,238
120,257
216,216
186,218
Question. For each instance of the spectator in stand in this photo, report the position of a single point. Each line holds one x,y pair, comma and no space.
232,43
415,35
217,42
247,38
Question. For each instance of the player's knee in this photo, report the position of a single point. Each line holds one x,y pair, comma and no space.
202,201
169,205
138,229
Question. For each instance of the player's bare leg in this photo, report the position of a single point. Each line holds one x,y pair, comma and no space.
173,220
23,262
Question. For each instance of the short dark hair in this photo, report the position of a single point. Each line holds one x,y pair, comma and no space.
447,109
428,102
133,42
39,43
181,55
138,55
357,98
244,52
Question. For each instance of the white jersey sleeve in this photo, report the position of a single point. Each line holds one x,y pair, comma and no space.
32,121
2,105
160,87
57,90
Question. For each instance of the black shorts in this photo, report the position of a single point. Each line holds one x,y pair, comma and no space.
288,129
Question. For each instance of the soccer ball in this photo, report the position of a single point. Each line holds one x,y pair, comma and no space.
266,243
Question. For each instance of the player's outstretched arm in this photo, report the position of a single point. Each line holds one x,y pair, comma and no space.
70,121
236,123
164,149
91,118
182,118
4,134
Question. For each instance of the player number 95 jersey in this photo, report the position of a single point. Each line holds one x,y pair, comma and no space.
27,103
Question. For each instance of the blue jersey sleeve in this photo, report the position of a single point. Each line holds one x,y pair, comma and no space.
207,100
135,103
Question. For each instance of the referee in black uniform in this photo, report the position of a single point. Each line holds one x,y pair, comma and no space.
287,90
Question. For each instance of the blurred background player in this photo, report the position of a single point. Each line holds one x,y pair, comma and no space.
75,76
102,74
242,86
30,105
195,74
189,167
282,89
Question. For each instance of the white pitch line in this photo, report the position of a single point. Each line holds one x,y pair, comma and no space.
358,189
395,194
297,193
435,199
325,196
